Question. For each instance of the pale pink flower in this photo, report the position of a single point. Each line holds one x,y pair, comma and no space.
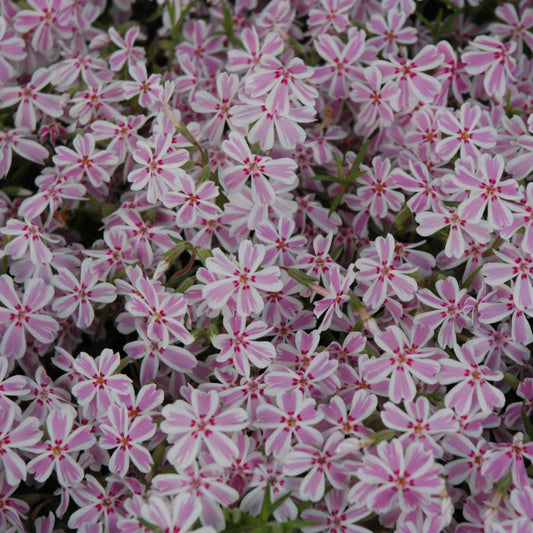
509,457
183,509
411,76
126,49
20,141
253,53
281,247
126,435
192,425
451,74
24,315
12,510
60,451
419,424
32,102
461,229
16,435
99,386
85,161
464,133
294,417
282,82
383,277
393,477
11,50
321,464
96,102
450,310
342,61
241,280
517,27
378,101
240,345
328,14
78,296
488,55
487,191
159,168
472,389
147,88
390,33
406,359
48,19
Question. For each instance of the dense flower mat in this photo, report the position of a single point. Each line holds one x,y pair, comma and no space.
266,266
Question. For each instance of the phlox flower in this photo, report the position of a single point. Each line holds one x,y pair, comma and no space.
49,21
32,102
20,141
22,316
60,451
461,229
490,56
192,425
206,485
192,200
101,504
383,277
126,435
12,510
327,14
11,386
281,247
393,477
158,313
45,395
269,476
126,49
96,102
517,27
11,50
321,464
469,466
282,82
337,517
487,191
294,416
390,33
222,105
342,61
176,516
319,262
113,255
472,389
514,264
254,51
27,240
158,168
463,133
378,190
85,161
152,352
338,294
147,88
451,74
240,345
405,358
99,387
450,309
410,74
309,208
269,125
419,424
81,294
504,457
522,219
241,279
362,405
378,101
16,435
257,168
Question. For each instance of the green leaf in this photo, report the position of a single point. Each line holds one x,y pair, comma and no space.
265,506
354,171
148,525
227,24
301,277
512,381
340,168
336,201
279,502
527,422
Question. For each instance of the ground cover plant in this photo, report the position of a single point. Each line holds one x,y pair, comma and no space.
266,266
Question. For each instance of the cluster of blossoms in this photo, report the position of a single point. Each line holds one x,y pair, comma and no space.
266,261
